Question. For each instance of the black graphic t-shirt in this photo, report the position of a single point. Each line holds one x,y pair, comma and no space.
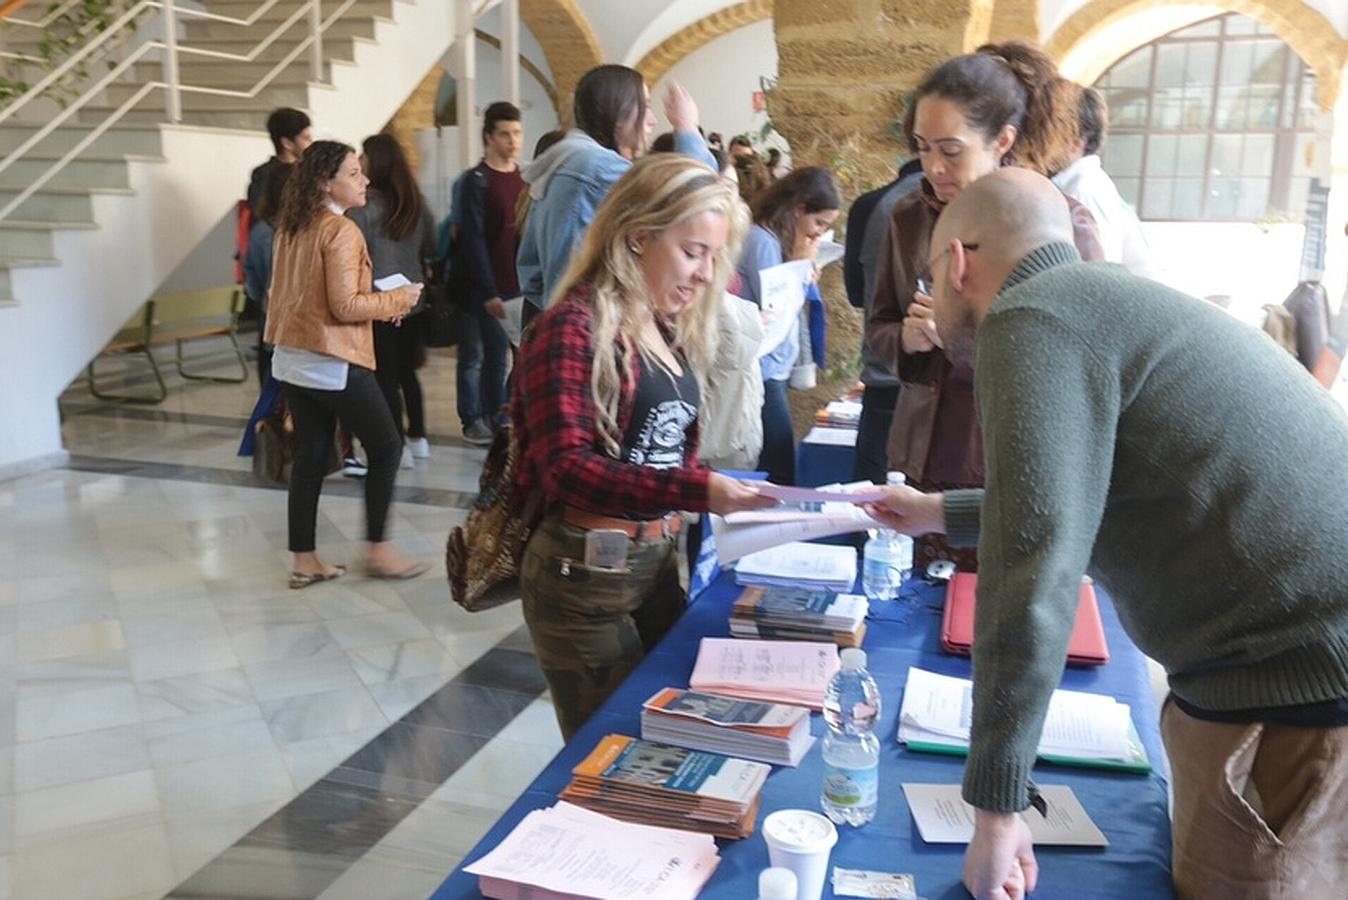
664,408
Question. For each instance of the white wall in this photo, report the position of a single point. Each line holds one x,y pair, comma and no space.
722,77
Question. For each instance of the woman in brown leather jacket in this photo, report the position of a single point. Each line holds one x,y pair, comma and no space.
1004,105
322,302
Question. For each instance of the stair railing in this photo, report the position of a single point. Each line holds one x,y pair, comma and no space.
170,83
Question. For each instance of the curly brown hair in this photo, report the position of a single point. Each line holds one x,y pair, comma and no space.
304,195
1012,83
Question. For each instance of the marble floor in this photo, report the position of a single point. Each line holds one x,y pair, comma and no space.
175,722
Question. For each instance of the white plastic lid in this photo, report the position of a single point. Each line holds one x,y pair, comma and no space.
777,884
896,478
853,658
799,831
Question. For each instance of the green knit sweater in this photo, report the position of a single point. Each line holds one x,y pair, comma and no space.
1180,458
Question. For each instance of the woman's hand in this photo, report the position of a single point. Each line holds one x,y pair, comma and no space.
806,248
727,495
919,326
680,108
409,294
909,511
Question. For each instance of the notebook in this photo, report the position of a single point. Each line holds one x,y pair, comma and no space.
1087,647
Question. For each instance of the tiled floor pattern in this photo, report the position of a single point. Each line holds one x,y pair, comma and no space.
164,698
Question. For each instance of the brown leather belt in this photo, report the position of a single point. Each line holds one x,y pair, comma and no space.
668,526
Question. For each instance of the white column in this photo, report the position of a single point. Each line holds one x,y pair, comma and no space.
510,50
465,74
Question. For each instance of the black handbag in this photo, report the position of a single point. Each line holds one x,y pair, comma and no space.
439,323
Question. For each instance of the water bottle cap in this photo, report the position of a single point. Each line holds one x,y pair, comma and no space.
777,884
853,658
896,478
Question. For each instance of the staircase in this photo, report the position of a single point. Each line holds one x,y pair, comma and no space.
108,225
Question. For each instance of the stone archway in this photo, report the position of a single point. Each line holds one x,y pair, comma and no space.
568,42
702,32
1304,29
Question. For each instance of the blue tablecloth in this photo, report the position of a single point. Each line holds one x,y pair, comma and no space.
1130,809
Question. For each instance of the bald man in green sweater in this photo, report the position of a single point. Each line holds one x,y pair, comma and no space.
1201,477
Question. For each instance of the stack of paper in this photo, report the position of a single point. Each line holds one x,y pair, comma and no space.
799,615
799,565
568,853
641,781
768,732
803,514
1080,729
827,436
839,414
791,672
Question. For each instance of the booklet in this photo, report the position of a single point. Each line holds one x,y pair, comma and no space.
791,672
768,732
799,565
943,817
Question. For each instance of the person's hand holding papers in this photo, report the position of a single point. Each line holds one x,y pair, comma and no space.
727,495
909,511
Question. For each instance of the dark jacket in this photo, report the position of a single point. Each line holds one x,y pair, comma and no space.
935,439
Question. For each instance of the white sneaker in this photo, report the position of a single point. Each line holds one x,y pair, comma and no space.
420,447
407,458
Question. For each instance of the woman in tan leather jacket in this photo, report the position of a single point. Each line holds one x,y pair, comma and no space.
321,305
1004,105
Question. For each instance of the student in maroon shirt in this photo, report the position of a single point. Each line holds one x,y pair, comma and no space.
488,241
605,414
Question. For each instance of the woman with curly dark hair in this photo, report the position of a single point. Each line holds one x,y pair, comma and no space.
321,305
1003,105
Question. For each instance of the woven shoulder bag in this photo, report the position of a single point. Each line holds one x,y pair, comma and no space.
482,556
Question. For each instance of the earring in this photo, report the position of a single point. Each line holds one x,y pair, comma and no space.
634,247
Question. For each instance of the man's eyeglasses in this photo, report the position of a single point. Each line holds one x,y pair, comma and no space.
931,263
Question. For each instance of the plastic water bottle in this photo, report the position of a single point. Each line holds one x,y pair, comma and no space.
777,884
851,749
887,558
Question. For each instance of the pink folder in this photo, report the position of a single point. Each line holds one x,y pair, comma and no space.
1087,647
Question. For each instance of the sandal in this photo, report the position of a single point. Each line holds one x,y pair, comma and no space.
411,570
301,580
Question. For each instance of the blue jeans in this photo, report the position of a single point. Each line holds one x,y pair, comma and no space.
778,457
484,351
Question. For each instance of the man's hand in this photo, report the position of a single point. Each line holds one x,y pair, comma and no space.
727,495
495,308
1000,863
680,108
909,511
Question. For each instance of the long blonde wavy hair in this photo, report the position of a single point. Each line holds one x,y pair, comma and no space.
659,191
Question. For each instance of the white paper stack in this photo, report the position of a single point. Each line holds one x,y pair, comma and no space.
768,732
821,567
792,672
569,853
937,713
839,414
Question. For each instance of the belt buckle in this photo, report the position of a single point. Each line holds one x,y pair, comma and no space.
664,527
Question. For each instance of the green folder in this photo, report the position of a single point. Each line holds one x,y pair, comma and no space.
1136,762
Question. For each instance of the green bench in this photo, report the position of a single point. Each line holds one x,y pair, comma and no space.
177,319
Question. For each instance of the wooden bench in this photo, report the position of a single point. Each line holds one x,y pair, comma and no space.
177,319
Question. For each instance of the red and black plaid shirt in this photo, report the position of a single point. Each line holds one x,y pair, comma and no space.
554,420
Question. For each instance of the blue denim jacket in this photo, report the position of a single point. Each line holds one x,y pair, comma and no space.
566,186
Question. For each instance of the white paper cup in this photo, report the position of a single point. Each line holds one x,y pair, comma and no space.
801,840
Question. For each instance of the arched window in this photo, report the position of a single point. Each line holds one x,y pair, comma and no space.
1214,122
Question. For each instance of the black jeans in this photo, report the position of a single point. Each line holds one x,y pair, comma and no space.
364,411
778,457
395,359
877,414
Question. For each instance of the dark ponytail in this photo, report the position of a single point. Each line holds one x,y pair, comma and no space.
1008,84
